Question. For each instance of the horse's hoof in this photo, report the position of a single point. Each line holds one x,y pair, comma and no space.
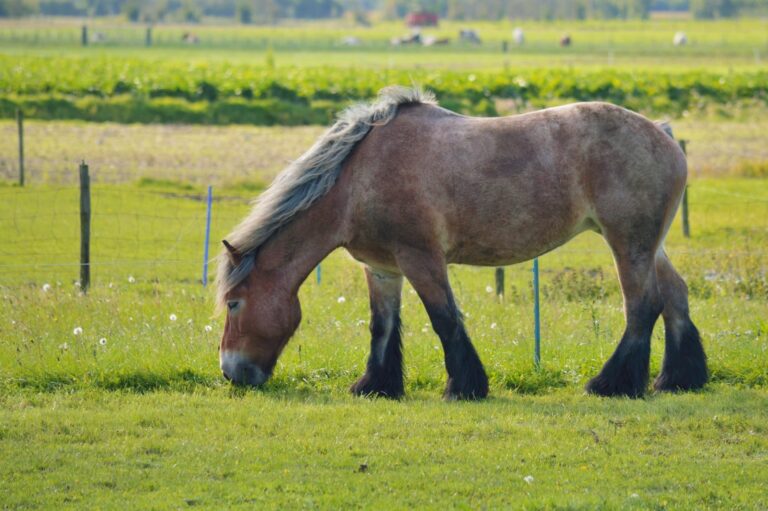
601,386
368,386
467,390
680,381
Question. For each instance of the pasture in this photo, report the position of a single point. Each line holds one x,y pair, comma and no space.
87,422
116,397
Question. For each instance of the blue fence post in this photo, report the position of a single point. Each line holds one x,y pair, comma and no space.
319,273
536,315
207,235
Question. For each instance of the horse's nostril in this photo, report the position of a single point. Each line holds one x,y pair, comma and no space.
240,371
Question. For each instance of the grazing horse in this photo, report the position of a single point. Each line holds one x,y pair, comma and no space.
407,187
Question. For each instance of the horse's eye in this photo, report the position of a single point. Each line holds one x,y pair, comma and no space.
233,305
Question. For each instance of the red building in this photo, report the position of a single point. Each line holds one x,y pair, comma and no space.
421,19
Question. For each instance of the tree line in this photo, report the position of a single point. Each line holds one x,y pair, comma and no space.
270,11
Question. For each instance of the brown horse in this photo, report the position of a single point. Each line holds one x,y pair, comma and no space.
407,188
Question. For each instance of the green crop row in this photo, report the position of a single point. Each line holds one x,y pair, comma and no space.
91,87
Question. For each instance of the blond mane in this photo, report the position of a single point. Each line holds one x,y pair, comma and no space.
306,180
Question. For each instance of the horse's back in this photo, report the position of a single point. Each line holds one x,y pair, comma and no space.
503,190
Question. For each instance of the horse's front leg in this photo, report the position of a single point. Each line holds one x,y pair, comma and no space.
384,373
428,274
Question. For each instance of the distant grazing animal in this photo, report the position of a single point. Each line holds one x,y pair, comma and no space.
518,36
407,187
469,35
680,39
565,41
435,41
190,38
414,38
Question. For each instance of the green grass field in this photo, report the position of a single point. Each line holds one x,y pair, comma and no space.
85,414
114,399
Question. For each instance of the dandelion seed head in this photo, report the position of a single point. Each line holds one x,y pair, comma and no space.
64,346
488,289
528,479
208,328
46,287
77,331
493,326
172,317
103,341
341,299
131,280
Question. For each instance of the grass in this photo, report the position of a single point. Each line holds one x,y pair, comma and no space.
220,448
635,44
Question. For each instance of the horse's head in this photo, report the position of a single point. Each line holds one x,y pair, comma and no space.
261,317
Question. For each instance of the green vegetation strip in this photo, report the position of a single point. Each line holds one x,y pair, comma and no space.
126,89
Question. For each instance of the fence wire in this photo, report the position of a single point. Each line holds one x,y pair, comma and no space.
158,235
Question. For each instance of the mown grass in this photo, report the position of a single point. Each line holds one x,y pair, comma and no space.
217,448
237,159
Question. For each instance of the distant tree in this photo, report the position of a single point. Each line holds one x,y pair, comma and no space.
18,8
132,10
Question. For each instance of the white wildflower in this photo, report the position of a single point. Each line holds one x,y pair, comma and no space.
488,289
77,331
493,326
341,299
208,328
64,347
528,479
46,287
131,280
172,317
103,341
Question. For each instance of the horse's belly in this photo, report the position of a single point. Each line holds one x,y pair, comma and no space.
503,248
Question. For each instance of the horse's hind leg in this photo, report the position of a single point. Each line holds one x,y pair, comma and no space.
428,274
384,372
626,372
685,364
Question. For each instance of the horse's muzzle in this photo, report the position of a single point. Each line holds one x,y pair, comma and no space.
237,369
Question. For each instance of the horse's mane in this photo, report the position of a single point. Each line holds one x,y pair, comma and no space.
306,180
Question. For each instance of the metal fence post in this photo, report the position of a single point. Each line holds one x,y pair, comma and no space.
85,228
209,207
536,316
686,223
20,123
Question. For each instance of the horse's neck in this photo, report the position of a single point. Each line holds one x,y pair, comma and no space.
299,246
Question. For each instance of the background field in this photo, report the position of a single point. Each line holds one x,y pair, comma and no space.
115,397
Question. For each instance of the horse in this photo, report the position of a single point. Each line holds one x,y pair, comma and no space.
407,187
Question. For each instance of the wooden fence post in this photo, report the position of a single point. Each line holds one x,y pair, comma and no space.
85,228
84,35
500,282
686,224
20,123
148,37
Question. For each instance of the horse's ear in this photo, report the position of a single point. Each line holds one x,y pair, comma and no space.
234,256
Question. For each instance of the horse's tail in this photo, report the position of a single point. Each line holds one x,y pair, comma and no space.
665,127
307,179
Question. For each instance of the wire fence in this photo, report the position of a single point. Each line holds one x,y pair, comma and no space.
157,234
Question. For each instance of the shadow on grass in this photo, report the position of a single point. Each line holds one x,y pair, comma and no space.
138,382
323,384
